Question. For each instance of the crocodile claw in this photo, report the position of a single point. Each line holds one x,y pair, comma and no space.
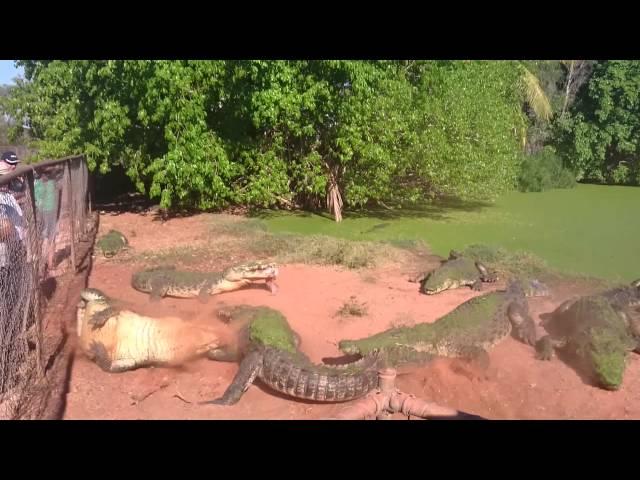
272,286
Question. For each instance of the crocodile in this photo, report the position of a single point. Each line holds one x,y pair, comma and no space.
112,243
456,272
168,281
597,331
269,349
467,332
118,340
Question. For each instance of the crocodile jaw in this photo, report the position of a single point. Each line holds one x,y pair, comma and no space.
444,286
268,273
228,286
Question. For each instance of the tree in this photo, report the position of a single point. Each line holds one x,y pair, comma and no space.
578,72
534,93
318,134
599,138
469,123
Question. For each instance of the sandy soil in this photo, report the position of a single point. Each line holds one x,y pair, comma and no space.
516,386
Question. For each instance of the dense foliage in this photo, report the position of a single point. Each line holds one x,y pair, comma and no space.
600,139
206,134
544,170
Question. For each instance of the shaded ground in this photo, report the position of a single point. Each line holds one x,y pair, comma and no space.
517,386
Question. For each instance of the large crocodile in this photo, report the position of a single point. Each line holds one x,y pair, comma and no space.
598,331
168,281
456,272
467,332
269,351
119,340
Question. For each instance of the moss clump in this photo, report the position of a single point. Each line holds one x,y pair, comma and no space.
112,242
607,359
270,328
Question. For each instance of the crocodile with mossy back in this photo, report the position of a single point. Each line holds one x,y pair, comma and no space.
466,332
168,281
269,351
112,243
458,271
598,330
120,340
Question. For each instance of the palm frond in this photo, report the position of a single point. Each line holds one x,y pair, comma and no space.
534,94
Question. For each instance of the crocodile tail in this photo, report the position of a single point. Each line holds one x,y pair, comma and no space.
307,381
250,368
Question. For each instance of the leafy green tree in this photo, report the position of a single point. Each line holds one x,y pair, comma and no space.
205,134
599,138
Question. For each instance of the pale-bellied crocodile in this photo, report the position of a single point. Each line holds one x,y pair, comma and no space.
119,340
168,281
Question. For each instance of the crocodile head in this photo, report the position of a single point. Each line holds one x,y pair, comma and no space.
635,293
452,273
93,295
93,300
607,342
528,288
251,272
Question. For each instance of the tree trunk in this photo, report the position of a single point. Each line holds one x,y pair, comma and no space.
334,198
334,201
568,88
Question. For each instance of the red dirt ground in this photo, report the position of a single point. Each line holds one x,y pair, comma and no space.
516,386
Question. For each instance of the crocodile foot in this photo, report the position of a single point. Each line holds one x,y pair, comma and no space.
544,348
272,286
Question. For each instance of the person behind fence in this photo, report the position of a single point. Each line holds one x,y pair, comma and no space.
47,200
9,161
12,252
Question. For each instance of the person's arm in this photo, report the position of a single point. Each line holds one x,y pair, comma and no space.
18,185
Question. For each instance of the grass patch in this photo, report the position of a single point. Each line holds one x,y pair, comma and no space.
237,226
402,320
187,255
525,265
252,235
352,308
590,229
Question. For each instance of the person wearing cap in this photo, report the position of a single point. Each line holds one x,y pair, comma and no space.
10,158
8,163
12,253
9,208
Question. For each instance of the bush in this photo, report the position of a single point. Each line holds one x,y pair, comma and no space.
544,171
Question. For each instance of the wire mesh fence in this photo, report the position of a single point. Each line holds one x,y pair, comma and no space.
44,209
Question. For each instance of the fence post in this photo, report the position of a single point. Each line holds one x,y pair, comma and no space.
72,216
33,300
